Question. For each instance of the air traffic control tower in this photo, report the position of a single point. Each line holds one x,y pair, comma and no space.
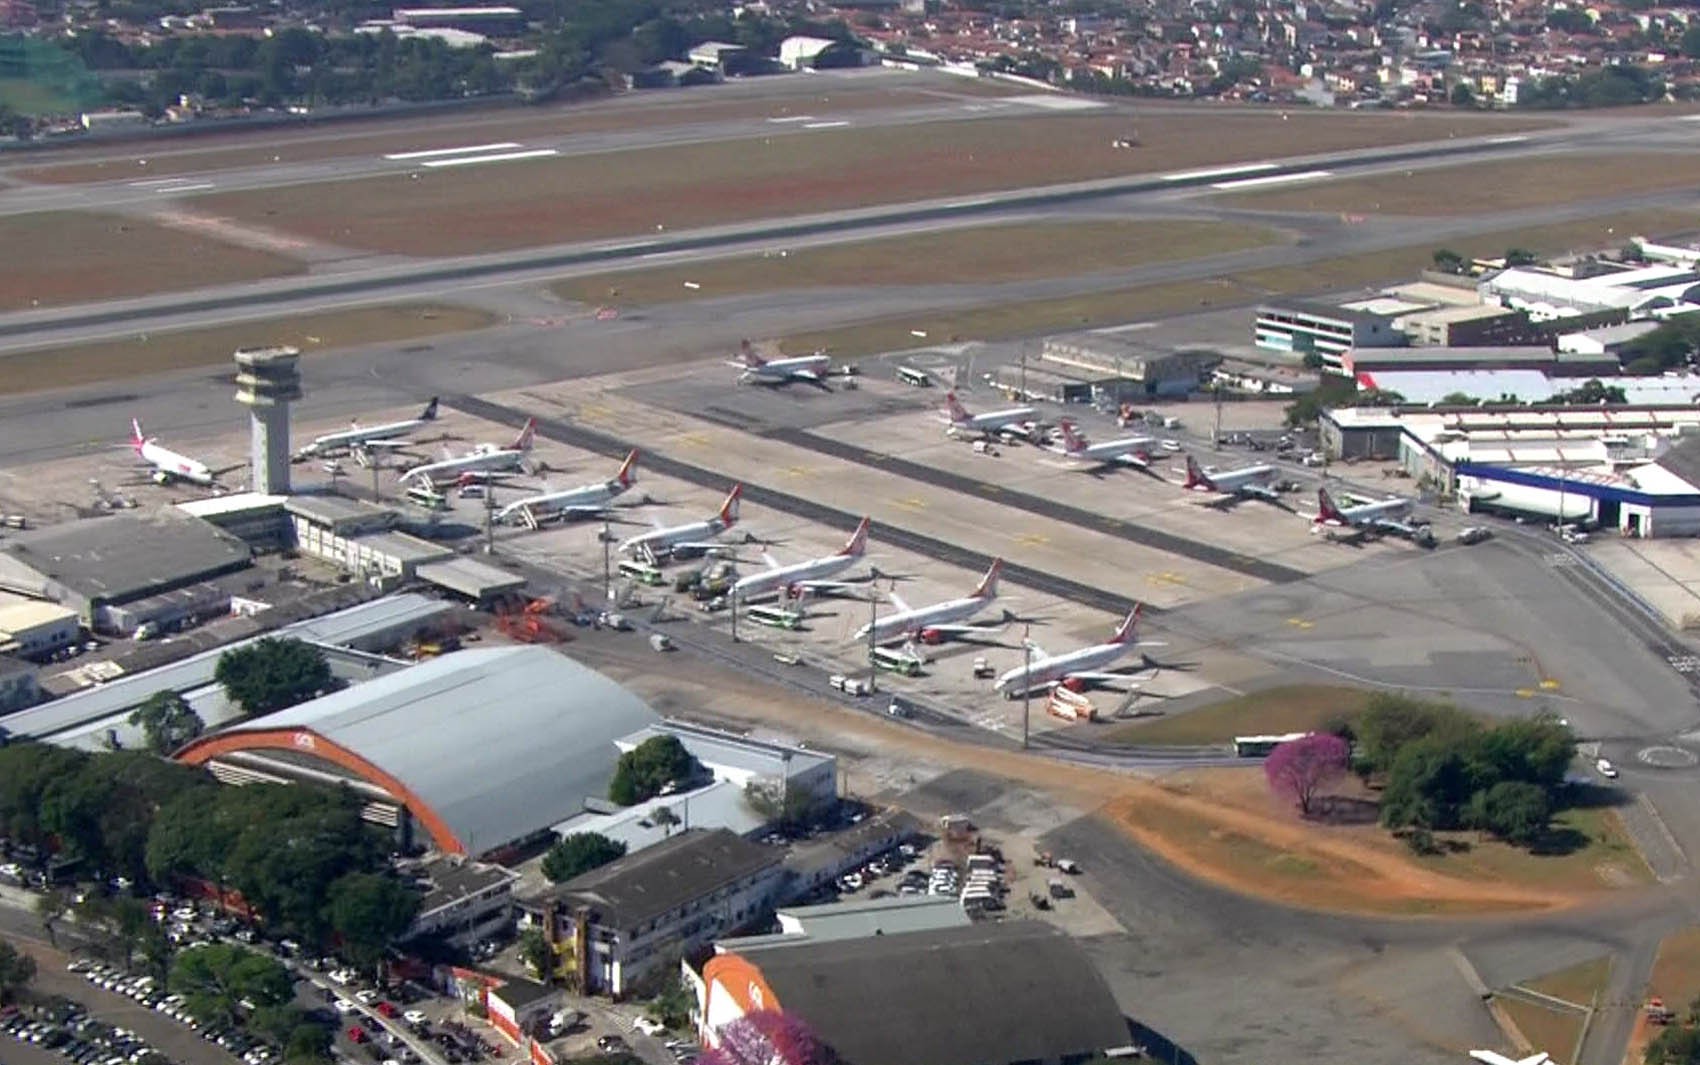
266,383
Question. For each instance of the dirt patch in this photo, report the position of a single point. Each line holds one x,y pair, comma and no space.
1294,708
1555,1031
587,197
1114,306
75,257
112,360
1482,188
987,254
306,145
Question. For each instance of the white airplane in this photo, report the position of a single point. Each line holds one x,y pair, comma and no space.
1012,421
1383,516
1075,669
358,436
1247,481
930,624
1488,1057
584,501
809,368
1132,450
696,534
481,460
168,465
804,576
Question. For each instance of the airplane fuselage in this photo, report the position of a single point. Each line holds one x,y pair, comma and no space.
171,466
351,438
1059,668
1112,450
757,584
1365,513
1234,480
916,622
585,497
663,539
448,470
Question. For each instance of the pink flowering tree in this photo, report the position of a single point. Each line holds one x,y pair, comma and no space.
768,1037
1299,769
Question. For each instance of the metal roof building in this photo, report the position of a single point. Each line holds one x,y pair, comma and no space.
984,994
482,747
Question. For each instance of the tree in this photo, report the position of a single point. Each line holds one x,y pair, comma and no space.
672,1003
50,906
1391,722
1457,399
17,969
1676,1044
1299,769
1691,41
535,953
214,978
768,1037
784,807
580,853
273,673
369,911
1520,257
167,721
1313,360
1463,95
1449,261
1513,810
307,1042
644,770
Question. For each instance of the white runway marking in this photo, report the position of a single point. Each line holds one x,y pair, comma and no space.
433,153
195,187
534,153
1056,103
793,118
1278,179
1508,140
1220,171
824,125
150,183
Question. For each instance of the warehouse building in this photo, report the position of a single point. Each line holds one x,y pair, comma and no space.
1118,369
1542,357
35,630
744,762
1609,341
619,927
122,571
1478,324
18,689
1595,286
719,805
472,751
984,994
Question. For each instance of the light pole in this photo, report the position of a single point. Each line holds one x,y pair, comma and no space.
607,538
489,517
873,616
732,601
1026,687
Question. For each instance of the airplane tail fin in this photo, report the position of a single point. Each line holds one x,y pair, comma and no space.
858,541
628,470
729,509
1326,510
429,414
1127,633
1071,442
136,437
1196,477
988,586
526,435
954,408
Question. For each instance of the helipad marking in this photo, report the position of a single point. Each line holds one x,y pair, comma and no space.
471,149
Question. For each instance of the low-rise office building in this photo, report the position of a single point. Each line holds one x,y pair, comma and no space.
35,630
615,928
462,902
1306,327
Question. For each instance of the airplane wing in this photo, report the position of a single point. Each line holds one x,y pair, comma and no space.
897,601
806,375
578,511
1101,677
960,628
1397,528
836,586
771,563
1489,1057
1134,458
399,444
1260,491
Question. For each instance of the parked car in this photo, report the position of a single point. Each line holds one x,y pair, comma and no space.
1606,769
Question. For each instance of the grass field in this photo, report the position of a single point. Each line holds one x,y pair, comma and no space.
72,257
1110,307
1676,973
985,254
1483,188
1296,708
1580,984
32,98
451,131
1596,853
1554,1031
587,197
114,360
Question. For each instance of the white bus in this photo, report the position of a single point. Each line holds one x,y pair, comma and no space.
913,377
642,572
901,662
775,617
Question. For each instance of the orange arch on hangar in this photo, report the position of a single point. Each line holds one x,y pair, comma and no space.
307,741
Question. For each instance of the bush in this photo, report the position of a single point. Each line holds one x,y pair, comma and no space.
646,769
580,853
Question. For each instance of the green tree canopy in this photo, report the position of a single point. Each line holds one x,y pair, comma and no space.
580,853
273,673
1513,810
646,769
167,721
17,969
215,977
369,911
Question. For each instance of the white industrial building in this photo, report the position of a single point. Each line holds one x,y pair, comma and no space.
1547,293
32,629
782,770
